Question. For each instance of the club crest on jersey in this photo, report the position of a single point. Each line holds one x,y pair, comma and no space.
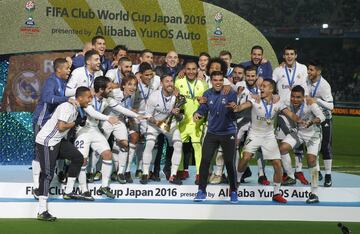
223,101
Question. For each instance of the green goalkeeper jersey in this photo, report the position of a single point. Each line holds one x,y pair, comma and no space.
191,90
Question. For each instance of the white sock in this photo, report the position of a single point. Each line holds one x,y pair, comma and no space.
219,163
122,157
176,157
147,156
115,158
286,162
260,167
70,185
94,160
327,165
239,174
106,170
42,204
82,179
317,164
277,188
314,179
237,158
298,163
36,172
132,148
139,155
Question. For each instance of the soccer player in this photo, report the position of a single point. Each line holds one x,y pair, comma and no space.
117,74
320,90
264,68
159,106
309,134
147,84
261,134
226,57
191,88
99,45
52,95
79,58
145,56
217,64
221,132
51,145
84,76
118,52
204,59
292,73
243,123
238,74
121,149
91,136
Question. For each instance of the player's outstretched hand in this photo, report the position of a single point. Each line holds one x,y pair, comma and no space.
255,97
201,75
176,92
113,120
197,117
310,100
142,117
231,105
175,111
181,74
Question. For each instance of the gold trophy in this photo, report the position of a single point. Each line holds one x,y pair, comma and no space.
166,123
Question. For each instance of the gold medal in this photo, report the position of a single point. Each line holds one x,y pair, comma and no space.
268,121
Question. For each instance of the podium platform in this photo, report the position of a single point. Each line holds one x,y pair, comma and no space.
161,200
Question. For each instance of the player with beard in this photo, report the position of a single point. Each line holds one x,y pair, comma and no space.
118,52
264,68
84,76
191,88
124,130
320,90
158,107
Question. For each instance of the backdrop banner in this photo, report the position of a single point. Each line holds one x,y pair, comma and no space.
186,26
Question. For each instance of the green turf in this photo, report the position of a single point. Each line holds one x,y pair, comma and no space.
67,226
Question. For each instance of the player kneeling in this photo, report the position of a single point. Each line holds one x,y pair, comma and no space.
308,134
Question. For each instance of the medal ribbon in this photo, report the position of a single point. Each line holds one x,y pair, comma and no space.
291,82
267,111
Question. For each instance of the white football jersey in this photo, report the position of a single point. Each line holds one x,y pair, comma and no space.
159,106
323,95
115,75
143,93
307,113
297,75
259,122
80,77
49,135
